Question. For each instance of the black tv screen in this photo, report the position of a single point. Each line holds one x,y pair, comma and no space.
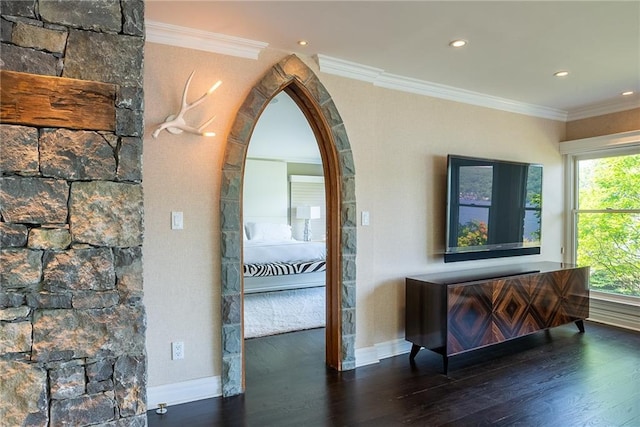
494,208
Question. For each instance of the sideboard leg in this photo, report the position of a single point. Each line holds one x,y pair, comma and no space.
414,351
445,364
580,325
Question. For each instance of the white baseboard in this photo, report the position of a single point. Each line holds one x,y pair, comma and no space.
370,355
602,310
623,312
183,392
206,388
366,356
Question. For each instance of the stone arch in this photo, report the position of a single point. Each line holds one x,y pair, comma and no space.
301,83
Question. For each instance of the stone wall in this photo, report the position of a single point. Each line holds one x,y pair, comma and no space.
72,323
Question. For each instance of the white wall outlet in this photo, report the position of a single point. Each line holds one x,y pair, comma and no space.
177,221
177,350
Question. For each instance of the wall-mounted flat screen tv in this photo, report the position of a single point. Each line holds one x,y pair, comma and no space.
494,208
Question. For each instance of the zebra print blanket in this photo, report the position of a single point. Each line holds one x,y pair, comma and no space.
283,268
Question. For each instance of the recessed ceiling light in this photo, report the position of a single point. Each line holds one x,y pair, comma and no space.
458,43
303,42
627,93
561,73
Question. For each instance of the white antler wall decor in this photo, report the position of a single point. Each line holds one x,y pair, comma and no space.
176,124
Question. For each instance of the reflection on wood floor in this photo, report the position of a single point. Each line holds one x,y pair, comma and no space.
554,378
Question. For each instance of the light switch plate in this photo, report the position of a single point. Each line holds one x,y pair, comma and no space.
365,217
177,221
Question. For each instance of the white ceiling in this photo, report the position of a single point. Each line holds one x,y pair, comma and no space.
283,133
514,47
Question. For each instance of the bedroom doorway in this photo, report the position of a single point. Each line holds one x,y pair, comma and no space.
300,82
284,219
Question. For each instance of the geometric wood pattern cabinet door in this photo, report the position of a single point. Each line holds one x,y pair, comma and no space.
574,295
469,314
452,313
514,312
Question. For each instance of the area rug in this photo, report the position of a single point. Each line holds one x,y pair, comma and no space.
271,313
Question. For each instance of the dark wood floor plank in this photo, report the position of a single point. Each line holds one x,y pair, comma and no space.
559,378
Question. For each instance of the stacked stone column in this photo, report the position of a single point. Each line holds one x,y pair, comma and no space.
72,322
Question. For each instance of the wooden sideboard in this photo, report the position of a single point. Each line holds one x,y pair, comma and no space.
455,312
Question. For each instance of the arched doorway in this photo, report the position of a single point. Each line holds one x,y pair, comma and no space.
299,81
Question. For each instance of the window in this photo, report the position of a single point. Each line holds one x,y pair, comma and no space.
307,191
603,220
607,221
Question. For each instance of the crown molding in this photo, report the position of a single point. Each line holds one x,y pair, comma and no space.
607,107
380,78
351,70
450,93
174,35
290,159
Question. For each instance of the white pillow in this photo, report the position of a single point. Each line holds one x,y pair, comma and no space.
268,231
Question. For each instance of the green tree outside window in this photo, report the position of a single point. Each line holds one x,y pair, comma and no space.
608,224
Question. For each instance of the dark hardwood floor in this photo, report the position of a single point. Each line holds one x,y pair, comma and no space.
552,378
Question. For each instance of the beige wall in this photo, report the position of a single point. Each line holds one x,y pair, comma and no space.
607,124
399,143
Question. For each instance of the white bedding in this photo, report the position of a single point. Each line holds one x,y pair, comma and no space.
264,251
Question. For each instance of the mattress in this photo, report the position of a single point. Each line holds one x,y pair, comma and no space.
285,251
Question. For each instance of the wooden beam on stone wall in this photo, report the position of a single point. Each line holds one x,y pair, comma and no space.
46,101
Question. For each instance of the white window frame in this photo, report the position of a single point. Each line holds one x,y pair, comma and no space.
618,310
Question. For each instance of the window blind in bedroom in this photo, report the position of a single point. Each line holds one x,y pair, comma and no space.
307,190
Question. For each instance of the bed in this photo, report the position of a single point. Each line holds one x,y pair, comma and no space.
273,261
